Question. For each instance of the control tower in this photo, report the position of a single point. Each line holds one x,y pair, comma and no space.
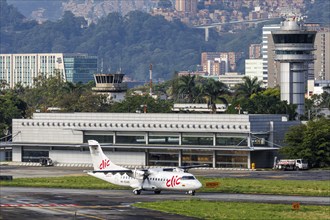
293,49
111,85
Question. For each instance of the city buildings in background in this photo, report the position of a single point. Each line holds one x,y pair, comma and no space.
255,51
195,12
186,6
322,56
219,63
24,68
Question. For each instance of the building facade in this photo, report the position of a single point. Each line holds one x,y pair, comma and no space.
186,6
317,87
253,68
267,53
219,140
322,53
219,63
24,68
255,51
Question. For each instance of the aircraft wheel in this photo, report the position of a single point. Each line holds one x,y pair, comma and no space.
157,191
137,192
192,192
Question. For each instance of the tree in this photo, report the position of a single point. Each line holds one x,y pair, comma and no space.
248,87
310,142
186,87
265,102
11,106
213,91
314,105
137,103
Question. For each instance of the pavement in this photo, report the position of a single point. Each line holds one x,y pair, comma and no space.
42,203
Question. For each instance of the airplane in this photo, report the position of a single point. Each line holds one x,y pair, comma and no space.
153,179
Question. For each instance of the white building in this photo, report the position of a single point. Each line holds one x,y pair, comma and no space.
317,87
220,140
254,68
231,79
23,68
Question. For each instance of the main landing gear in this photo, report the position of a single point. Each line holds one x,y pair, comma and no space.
137,191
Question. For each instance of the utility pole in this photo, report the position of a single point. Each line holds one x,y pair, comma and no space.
150,74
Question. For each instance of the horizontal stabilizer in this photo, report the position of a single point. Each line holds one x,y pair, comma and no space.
186,168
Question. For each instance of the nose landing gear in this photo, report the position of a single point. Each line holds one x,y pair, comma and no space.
191,192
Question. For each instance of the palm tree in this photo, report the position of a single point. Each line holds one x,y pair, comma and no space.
213,90
249,87
187,87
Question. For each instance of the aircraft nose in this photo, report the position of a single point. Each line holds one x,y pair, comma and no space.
198,184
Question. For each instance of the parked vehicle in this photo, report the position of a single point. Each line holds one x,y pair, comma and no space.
292,164
46,161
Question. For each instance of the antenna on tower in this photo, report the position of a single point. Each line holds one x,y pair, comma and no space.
150,73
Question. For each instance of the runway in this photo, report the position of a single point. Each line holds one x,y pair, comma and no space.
43,203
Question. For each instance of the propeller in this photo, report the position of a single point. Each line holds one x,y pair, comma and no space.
145,177
142,174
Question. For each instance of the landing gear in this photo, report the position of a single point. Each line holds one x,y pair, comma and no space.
137,191
191,192
157,191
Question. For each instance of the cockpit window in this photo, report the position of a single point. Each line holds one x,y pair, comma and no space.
187,178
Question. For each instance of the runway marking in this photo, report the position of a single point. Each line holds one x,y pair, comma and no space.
37,205
75,213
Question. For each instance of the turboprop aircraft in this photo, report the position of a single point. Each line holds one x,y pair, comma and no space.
154,179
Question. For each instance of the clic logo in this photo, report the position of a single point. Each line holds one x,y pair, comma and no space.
104,164
174,181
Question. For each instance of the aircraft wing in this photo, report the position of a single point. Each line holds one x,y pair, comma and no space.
111,171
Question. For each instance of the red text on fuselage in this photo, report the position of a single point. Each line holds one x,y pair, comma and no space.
174,181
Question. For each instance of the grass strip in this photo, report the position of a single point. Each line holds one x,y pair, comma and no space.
266,186
70,182
236,210
226,185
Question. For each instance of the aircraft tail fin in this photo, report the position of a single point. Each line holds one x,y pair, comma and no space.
100,160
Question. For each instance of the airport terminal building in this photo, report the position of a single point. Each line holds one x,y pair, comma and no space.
150,139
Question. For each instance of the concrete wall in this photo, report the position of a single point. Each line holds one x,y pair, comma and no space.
17,153
84,157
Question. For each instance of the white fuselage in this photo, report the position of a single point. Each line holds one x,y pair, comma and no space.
156,180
